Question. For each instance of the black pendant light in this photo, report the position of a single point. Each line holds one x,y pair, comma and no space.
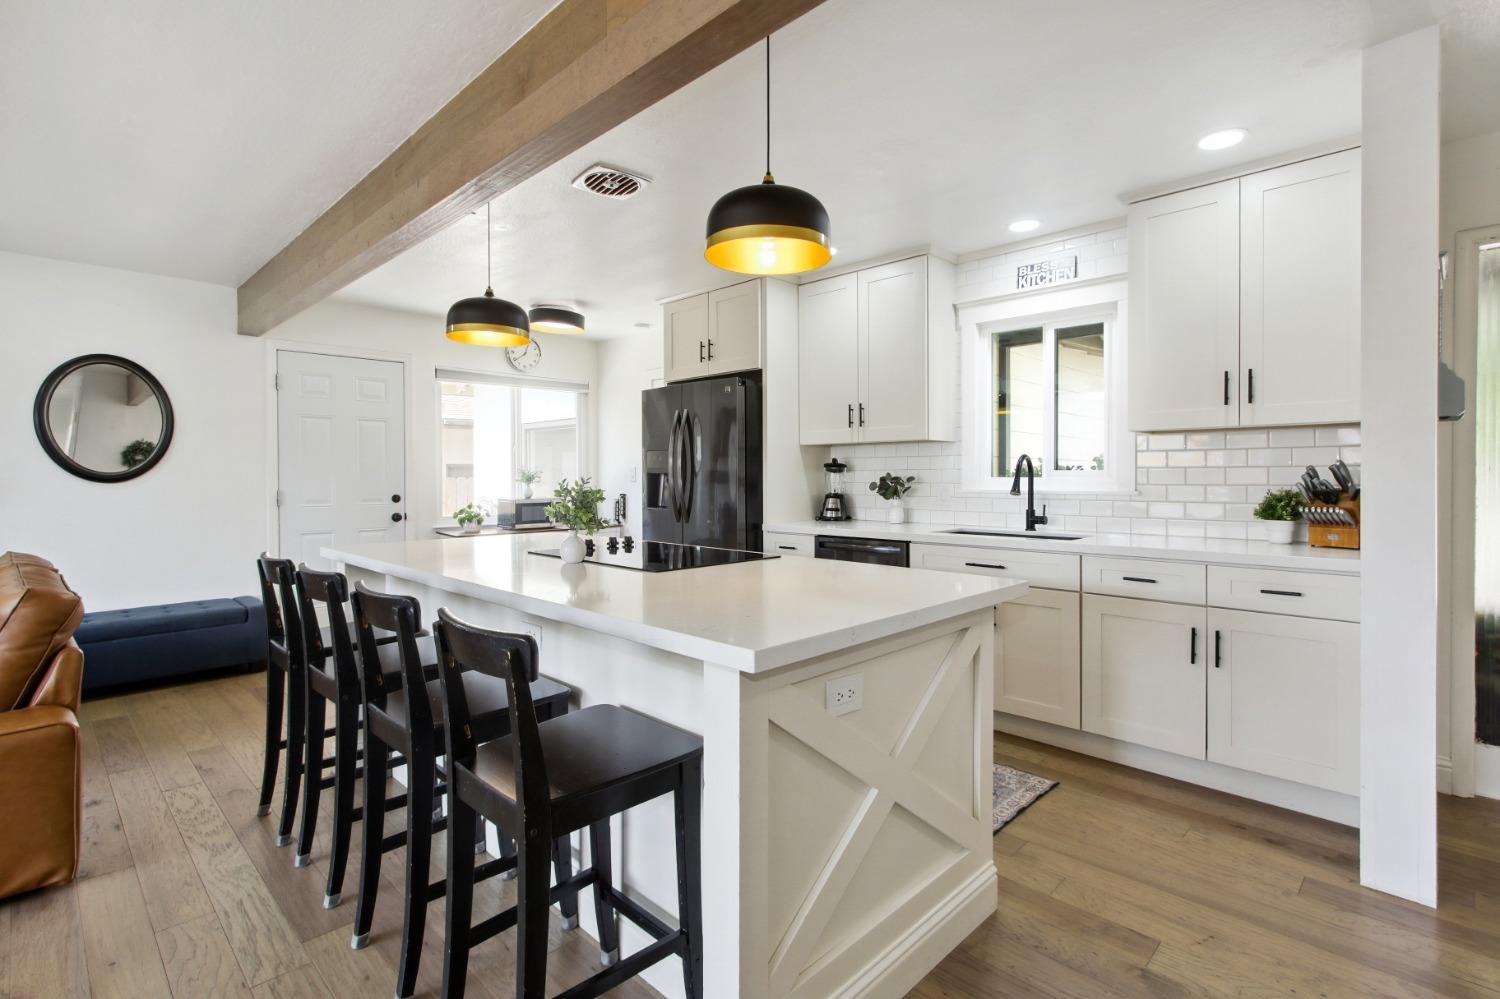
488,321
551,319
768,228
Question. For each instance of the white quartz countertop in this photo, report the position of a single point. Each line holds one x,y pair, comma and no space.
752,616
1219,551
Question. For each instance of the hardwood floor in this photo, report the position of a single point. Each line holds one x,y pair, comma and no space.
1116,884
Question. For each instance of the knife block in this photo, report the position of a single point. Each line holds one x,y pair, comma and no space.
1335,535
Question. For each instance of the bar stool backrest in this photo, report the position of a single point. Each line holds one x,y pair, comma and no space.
332,590
279,594
512,658
402,615
275,627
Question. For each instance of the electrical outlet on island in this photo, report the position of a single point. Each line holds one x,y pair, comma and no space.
845,694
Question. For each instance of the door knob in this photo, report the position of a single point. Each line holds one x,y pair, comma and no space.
395,518
395,497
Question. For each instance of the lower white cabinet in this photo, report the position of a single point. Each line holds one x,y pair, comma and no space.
776,543
1283,697
1144,673
1036,657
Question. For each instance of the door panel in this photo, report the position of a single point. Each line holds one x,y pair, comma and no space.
1300,292
685,336
1036,657
1184,309
341,452
734,328
1283,697
1143,674
893,352
828,359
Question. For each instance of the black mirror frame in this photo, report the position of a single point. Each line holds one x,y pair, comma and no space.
67,464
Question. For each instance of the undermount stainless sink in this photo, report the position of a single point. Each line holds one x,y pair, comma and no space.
1035,535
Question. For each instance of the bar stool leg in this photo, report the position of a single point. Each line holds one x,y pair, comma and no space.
275,694
312,777
296,738
689,803
462,825
346,759
604,909
533,891
562,860
420,777
377,758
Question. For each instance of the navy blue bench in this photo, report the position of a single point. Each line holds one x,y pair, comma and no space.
170,640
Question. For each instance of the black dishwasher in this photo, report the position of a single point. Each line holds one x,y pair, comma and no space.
863,550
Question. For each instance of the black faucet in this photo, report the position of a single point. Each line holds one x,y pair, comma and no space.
1032,517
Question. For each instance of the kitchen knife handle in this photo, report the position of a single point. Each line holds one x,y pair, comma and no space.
1193,647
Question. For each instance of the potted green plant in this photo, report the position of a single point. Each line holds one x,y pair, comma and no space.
892,488
1280,509
527,477
136,452
469,518
575,505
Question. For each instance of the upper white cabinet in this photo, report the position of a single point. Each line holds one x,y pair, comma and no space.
715,333
1299,292
1244,300
878,355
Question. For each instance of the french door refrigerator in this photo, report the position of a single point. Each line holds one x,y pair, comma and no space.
701,443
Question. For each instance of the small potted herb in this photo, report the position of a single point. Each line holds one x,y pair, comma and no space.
527,477
575,506
892,488
469,517
136,452
1280,509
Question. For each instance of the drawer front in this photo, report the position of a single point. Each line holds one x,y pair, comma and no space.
1174,582
1284,591
787,544
1049,569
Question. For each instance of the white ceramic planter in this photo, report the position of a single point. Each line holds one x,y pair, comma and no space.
472,528
1280,532
895,512
526,491
572,548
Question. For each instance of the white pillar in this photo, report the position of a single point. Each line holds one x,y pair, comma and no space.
1399,563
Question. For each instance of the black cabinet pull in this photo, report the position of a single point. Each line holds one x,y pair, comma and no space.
1226,388
1282,593
395,497
851,414
1251,390
711,353
395,518
1193,647
700,352
861,414
1218,648
787,548
1137,579
985,565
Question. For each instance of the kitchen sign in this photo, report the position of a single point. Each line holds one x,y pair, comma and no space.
1044,272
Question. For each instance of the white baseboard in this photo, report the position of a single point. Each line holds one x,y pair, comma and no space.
1444,775
1487,770
1330,805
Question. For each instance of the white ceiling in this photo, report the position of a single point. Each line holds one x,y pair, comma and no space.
197,139
919,124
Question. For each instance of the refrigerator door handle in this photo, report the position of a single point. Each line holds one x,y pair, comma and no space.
673,473
686,465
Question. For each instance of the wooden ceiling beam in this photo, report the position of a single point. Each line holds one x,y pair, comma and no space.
583,69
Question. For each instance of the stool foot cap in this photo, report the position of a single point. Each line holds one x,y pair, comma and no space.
302,860
263,810
359,941
609,958
284,840
329,901
570,922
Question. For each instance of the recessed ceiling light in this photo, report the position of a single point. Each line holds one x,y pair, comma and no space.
1025,225
1223,139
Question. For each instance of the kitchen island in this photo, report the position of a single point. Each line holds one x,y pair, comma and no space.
845,712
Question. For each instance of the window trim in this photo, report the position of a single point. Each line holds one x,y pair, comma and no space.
1055,307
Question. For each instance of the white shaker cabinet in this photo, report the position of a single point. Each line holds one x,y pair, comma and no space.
1036,657
893,394
1143,677
1283,697
1299,292
1184,309
714,333
827,359
685,336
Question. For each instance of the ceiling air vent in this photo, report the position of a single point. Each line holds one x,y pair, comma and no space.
610,182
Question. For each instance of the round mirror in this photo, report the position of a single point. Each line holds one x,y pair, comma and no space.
103,418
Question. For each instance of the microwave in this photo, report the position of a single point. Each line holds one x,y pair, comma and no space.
522,513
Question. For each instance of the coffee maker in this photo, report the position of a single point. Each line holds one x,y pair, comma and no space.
835,503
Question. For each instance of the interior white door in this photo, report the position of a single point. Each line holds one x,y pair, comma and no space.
1299,292
685,336
341,452
893,352
1143,672
1184,309
1036,657
828,359
1283,697
734,328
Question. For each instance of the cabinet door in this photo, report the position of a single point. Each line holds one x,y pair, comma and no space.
1283,697
1143,672
1184,309
685,337
893,352
1299,292
828,359
1036,657
734,328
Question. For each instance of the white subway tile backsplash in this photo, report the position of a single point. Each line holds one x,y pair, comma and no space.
1185,493
1243,438
1338,435
1204,441
1293,437
1205,476
1168,442
1185,459
1167,511
1205,511
1270,456
1315,456
1245,476
1167,476
1151,459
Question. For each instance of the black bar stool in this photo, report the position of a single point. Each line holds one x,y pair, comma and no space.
333,676
545,780
400,720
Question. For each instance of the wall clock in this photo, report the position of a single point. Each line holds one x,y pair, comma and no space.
524,358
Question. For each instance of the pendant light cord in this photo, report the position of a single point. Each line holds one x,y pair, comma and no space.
489,266
768,107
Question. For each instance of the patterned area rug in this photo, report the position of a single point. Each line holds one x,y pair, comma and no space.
1014,791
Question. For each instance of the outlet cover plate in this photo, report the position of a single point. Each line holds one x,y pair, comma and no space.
845,694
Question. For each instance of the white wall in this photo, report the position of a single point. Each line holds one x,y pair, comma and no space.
190,527
627,367
1399,614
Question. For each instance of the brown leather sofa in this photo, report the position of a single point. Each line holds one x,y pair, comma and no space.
41,672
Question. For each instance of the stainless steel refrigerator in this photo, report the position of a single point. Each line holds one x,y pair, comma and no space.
701,443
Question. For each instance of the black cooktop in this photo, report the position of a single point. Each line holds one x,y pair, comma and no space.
655,556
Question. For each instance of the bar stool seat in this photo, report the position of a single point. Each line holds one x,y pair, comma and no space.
489,705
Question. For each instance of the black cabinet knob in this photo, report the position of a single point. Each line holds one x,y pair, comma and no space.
395,497
396,518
